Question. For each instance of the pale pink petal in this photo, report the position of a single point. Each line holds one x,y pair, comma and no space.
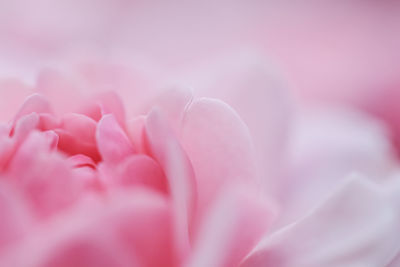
69,144
88,178
110,103
24,126
81,160
179,173
34,103
326,145
232,227
80,126
260,96
128,228
100,104
85,169
135,129
48,122
15,217
143,170
395,262
356,226
113,144
173,103
52,138
46,179
6,145
382,103
219,147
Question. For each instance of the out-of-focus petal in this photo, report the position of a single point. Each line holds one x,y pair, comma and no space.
34,103
143,170
110,103
179,173
81,160
81,127
126,229
15,217
356,226
113,144
173,103
135,129
219,146
24,126
45,178
232,227
260,96
326,145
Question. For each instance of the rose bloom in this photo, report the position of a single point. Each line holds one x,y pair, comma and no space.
101,167
175,179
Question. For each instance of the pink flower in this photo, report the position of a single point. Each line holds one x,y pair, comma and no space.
174,183
180,180
98,168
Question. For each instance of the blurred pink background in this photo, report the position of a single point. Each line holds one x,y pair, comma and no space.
341,52
326,49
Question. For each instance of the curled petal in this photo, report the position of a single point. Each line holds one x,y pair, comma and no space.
143,170
43,175
232,227
173,103
356,226
177,168
261,97
24,126
15,218
123,230
81,161
48,122
219,146
135,130
35,103
80,126
113,144
110,103
77,135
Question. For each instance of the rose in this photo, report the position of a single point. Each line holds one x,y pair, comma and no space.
167,181
90,187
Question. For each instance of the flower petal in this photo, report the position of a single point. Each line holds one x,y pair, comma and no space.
34,103
166,149
80,126
325,145
234,225
356,226
125,229
135,129
143,170
113,144
43,175
219,147
261,97
15,217
24,126
173,103
110,103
